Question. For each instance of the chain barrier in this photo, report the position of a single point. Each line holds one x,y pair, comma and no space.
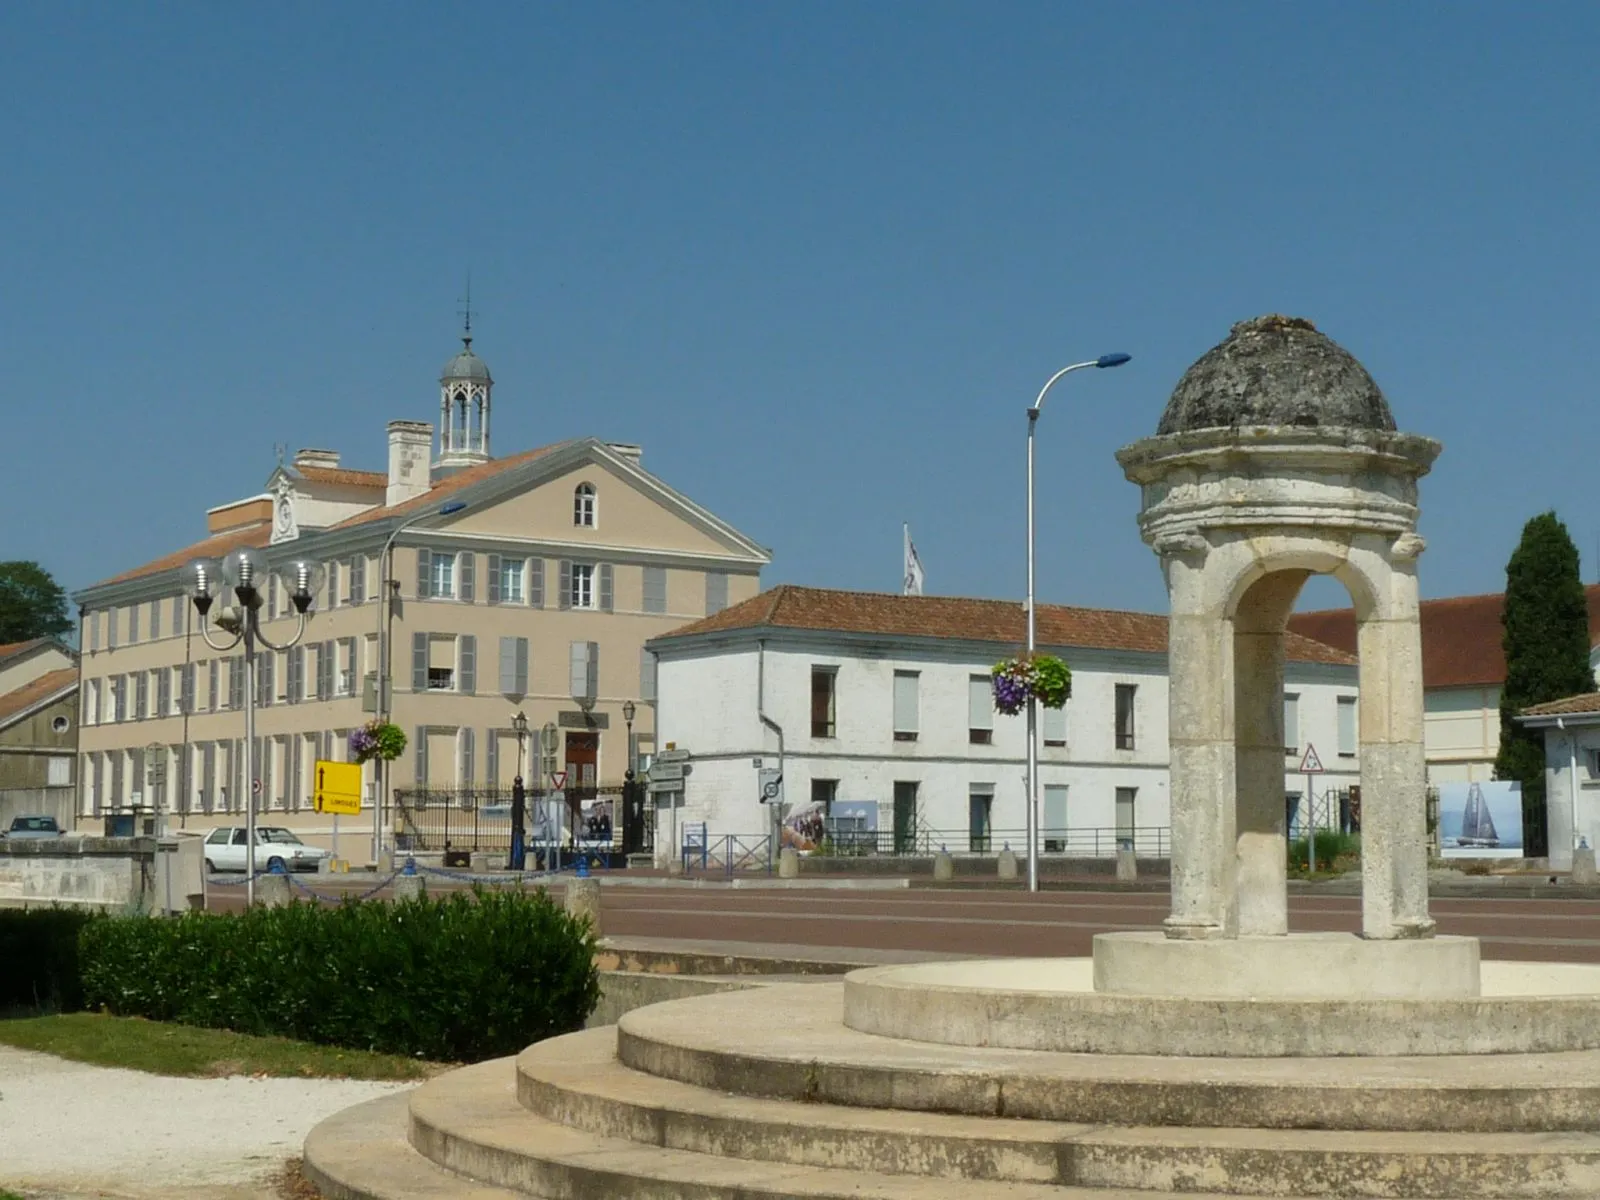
489,878
340,899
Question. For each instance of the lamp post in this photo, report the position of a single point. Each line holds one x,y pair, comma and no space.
245,570
632,811
628,711
386,589
519,797
1105,360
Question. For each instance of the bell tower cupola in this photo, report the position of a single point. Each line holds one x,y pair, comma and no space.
464,389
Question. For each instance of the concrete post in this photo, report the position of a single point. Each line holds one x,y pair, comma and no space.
1006,864
583,900
788,863
408,887
1127,865
272,890
1583,869
484,861
944,867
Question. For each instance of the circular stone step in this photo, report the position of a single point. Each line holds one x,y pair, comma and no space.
1051,1004
789,1042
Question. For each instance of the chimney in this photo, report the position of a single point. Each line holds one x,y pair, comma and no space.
627,450
326,459
410,448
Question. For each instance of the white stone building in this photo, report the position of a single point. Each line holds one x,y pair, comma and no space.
1571,729
884,701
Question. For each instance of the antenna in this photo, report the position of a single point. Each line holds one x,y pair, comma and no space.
466,312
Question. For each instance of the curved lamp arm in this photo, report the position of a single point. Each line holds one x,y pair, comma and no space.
205,632
299,632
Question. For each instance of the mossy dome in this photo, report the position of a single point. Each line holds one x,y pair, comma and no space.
1276,370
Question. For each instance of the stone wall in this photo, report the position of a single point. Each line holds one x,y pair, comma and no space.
104,872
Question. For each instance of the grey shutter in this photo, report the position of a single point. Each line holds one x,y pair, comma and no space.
491,759
647,674
424,572
111,629
297,674
508,667
269,672
564,600
421,757
141,696
467,587
536,583
236,765
494,579
467,668
92,620
327,667
236,682
133,624
213,682
271,586
604,572
521,678
155,620
468,766
579,673
655,589
358,579
905,701
980,702
333,584
716,592
419,662
297,769
208,775
186,700
179,610
594,669
163,693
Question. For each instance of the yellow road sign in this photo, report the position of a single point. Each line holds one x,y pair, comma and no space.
337,787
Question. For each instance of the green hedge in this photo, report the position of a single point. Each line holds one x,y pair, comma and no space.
457,979
39,968
1334,849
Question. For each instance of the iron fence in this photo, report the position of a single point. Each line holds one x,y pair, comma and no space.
1148,841
463,820
726,853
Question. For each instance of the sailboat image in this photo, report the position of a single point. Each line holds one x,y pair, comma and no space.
1477,826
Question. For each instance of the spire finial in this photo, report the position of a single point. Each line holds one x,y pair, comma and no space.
466,315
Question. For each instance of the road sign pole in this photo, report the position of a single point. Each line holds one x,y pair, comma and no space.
1311,842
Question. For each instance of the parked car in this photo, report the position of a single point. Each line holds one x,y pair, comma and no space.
275,847
32,828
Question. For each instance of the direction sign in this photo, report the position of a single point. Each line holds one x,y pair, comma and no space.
338,787
1310,764
671,756
558,780
661,772
665,785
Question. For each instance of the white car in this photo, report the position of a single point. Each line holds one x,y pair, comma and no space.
275,847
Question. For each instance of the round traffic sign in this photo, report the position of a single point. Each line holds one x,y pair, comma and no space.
255,787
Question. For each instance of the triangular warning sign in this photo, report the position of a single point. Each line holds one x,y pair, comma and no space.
1310,764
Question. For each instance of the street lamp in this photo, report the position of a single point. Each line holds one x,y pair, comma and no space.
245,571
628,711
386,587
1105,360
519,797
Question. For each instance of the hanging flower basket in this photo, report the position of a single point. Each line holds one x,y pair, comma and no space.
378,739
1044,677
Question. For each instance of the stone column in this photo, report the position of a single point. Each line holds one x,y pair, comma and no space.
1394,773
1262,897
1200,717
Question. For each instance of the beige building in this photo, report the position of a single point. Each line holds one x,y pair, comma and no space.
537,596
38,729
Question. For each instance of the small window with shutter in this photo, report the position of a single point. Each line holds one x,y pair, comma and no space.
905,705
1055,726
585,671
655,589
358,579
980,710
536,583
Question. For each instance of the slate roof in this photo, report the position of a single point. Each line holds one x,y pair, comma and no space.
1002,622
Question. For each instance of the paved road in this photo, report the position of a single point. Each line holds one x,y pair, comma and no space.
1015,923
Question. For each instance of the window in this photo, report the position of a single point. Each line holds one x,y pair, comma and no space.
1054,820
163,693
647,674
1291,723
505,579
333,584
585,672
905,816
655,589
133,624
180,607
433,663
465,754
358,579
1347,726
295,675
347,667
442,576
823,680
581,593
1594,764
823,793
186,682
716,591
980,811
980,710
91,702
213,679
583,505
92,620
141,696
155,620
514,666
1125,696
111,629
1125,817
1055,726
905,706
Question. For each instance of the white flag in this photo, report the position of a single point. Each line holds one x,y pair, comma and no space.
913,574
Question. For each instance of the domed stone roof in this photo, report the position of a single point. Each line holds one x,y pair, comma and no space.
1276,370
466,365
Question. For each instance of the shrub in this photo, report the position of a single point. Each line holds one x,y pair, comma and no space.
39,947
456,979
1335,851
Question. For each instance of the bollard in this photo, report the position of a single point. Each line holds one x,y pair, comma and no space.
1127,865
1583,869
484,861
583,899
272,890
944,867
408,887
788,863
674,866
1006,864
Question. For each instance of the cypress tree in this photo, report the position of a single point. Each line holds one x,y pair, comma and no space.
1546,641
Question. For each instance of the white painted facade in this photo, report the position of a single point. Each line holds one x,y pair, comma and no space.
710,691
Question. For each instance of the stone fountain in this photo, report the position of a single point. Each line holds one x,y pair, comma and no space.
1221,1055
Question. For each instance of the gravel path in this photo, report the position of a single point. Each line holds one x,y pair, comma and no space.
70,1129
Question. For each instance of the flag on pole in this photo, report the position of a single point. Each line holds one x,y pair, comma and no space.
913,573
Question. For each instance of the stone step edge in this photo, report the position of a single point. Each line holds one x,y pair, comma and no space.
939,1078
361,1153
469,1123
572,1081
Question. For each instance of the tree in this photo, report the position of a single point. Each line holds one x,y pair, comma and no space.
32,604
1546,619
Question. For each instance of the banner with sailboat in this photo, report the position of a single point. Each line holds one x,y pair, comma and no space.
1480,820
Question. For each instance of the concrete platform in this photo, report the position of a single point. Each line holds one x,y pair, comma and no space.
1051,1004
787,1042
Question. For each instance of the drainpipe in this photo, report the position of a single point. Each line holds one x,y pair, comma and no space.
1572,775
761,714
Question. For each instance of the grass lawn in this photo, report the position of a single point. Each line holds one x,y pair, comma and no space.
164,1049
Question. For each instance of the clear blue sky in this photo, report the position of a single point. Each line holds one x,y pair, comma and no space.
815,257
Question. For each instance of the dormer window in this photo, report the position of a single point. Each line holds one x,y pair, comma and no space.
583,506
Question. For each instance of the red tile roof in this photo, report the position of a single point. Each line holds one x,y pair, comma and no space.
1461,636
11,649
36,691
213,547
999,621
343,475
1587,703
